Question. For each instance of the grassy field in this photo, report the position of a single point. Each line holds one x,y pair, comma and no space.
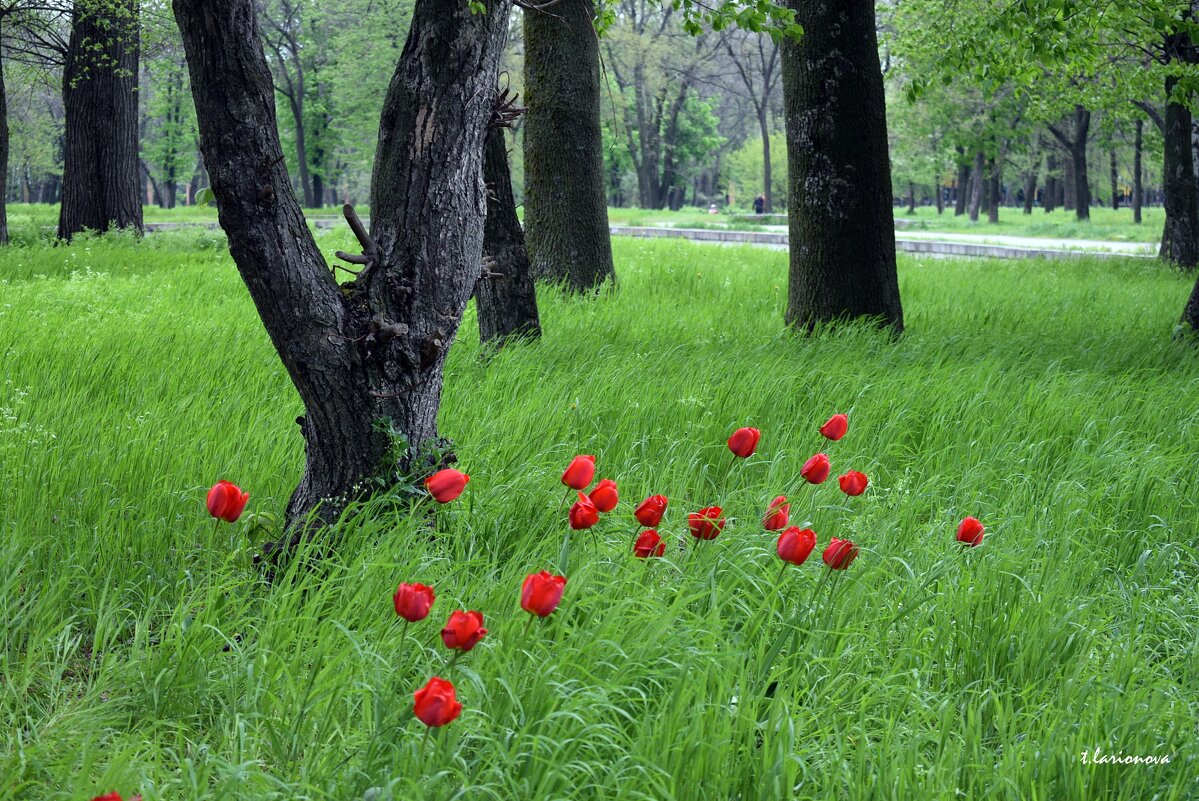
143,653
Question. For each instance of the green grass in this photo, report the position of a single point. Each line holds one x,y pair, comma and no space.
143,653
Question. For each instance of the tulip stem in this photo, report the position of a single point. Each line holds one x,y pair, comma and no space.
565,498
782,573
424,743
217,529
451,661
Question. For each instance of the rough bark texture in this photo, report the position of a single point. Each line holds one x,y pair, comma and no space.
842,225
1138,191
101,186
3,155
1190,315
566,208
506,302
1180,238
365,357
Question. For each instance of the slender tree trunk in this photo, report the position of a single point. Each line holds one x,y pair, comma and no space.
318,192
1180,238
767,178
978,178
1115,178
1069,195
101,187
366,357
939,194
911,197
959,204
843,236
507,301
992,190
3,154
1030,183
1138,191
566,209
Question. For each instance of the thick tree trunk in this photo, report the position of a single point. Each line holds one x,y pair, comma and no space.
101,187
566,210
1138,192
959,205
1190,314
506,302
992,190
3,155
842,224
366,357
1078,152
1180,238
318,192
978,178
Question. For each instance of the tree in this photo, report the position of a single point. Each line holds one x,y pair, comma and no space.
100,97
566,206
841,222
756,60
169,147
1075,144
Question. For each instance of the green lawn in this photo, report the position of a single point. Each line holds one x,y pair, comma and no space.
143,653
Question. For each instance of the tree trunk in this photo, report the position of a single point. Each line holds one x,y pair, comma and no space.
506,302
366,357
1049,193
911,197
992,190
1180,238
939,194
100,94
1078,152
842,225
1030,182
959,204
1190,314
976,187
1068,193
318,192
1137,190
767,178
566,209
3,155
1115,177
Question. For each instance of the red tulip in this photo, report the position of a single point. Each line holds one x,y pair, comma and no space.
436,704
971,532
836,427
226,501
648,544
706,524
446,485
463,630
649,513
744,441
840,553
604,496
115,796
795,545
541,593
815,470
413,601
853,483
580,472
583,514
777,514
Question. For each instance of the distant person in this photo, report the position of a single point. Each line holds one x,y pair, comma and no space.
712,209
760,204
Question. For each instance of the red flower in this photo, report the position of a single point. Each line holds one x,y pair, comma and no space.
648,544
115,796
777,514
971,532
436,704
604,496
795,545
649,513
446,485
583,514
706,524
541,593
815,470
226,501
853,483
744,441
836,427
840,553
463,630
413,601
580,472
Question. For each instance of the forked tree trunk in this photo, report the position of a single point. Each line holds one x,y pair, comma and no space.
1138,191
842,225
1180,237
366,357
506,302
1078,188
566,208
101,187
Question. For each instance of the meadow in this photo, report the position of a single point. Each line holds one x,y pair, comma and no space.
142,651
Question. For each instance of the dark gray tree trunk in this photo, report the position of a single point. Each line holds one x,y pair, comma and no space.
1190,314
911,199
1049,195
566,209
1030,180
101,186
939,194
1078,187
1138,191
842,225
1180,238
1115,177
959,206
992,190
767,177
1068,195
977,179
366,357
3,155
507,302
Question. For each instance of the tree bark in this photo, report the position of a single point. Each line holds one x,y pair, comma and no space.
366,357
1078,187
992,190
959,205
1138,192
100,82
1115,178
3,154
978,178
911,198
1068,194
1180,237
507,302
1030,180
1049,194
566,210
842,225
1190,314
939,194
767,177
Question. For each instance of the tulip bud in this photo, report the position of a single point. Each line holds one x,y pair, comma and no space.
836,427
648,544
226,501
795,545
604,496
435,703
706,524
583,514
413,601
815,470
853,483
744,441
840,553
463,630
649,513
446,485
541,593
580,472
777,514
971,532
